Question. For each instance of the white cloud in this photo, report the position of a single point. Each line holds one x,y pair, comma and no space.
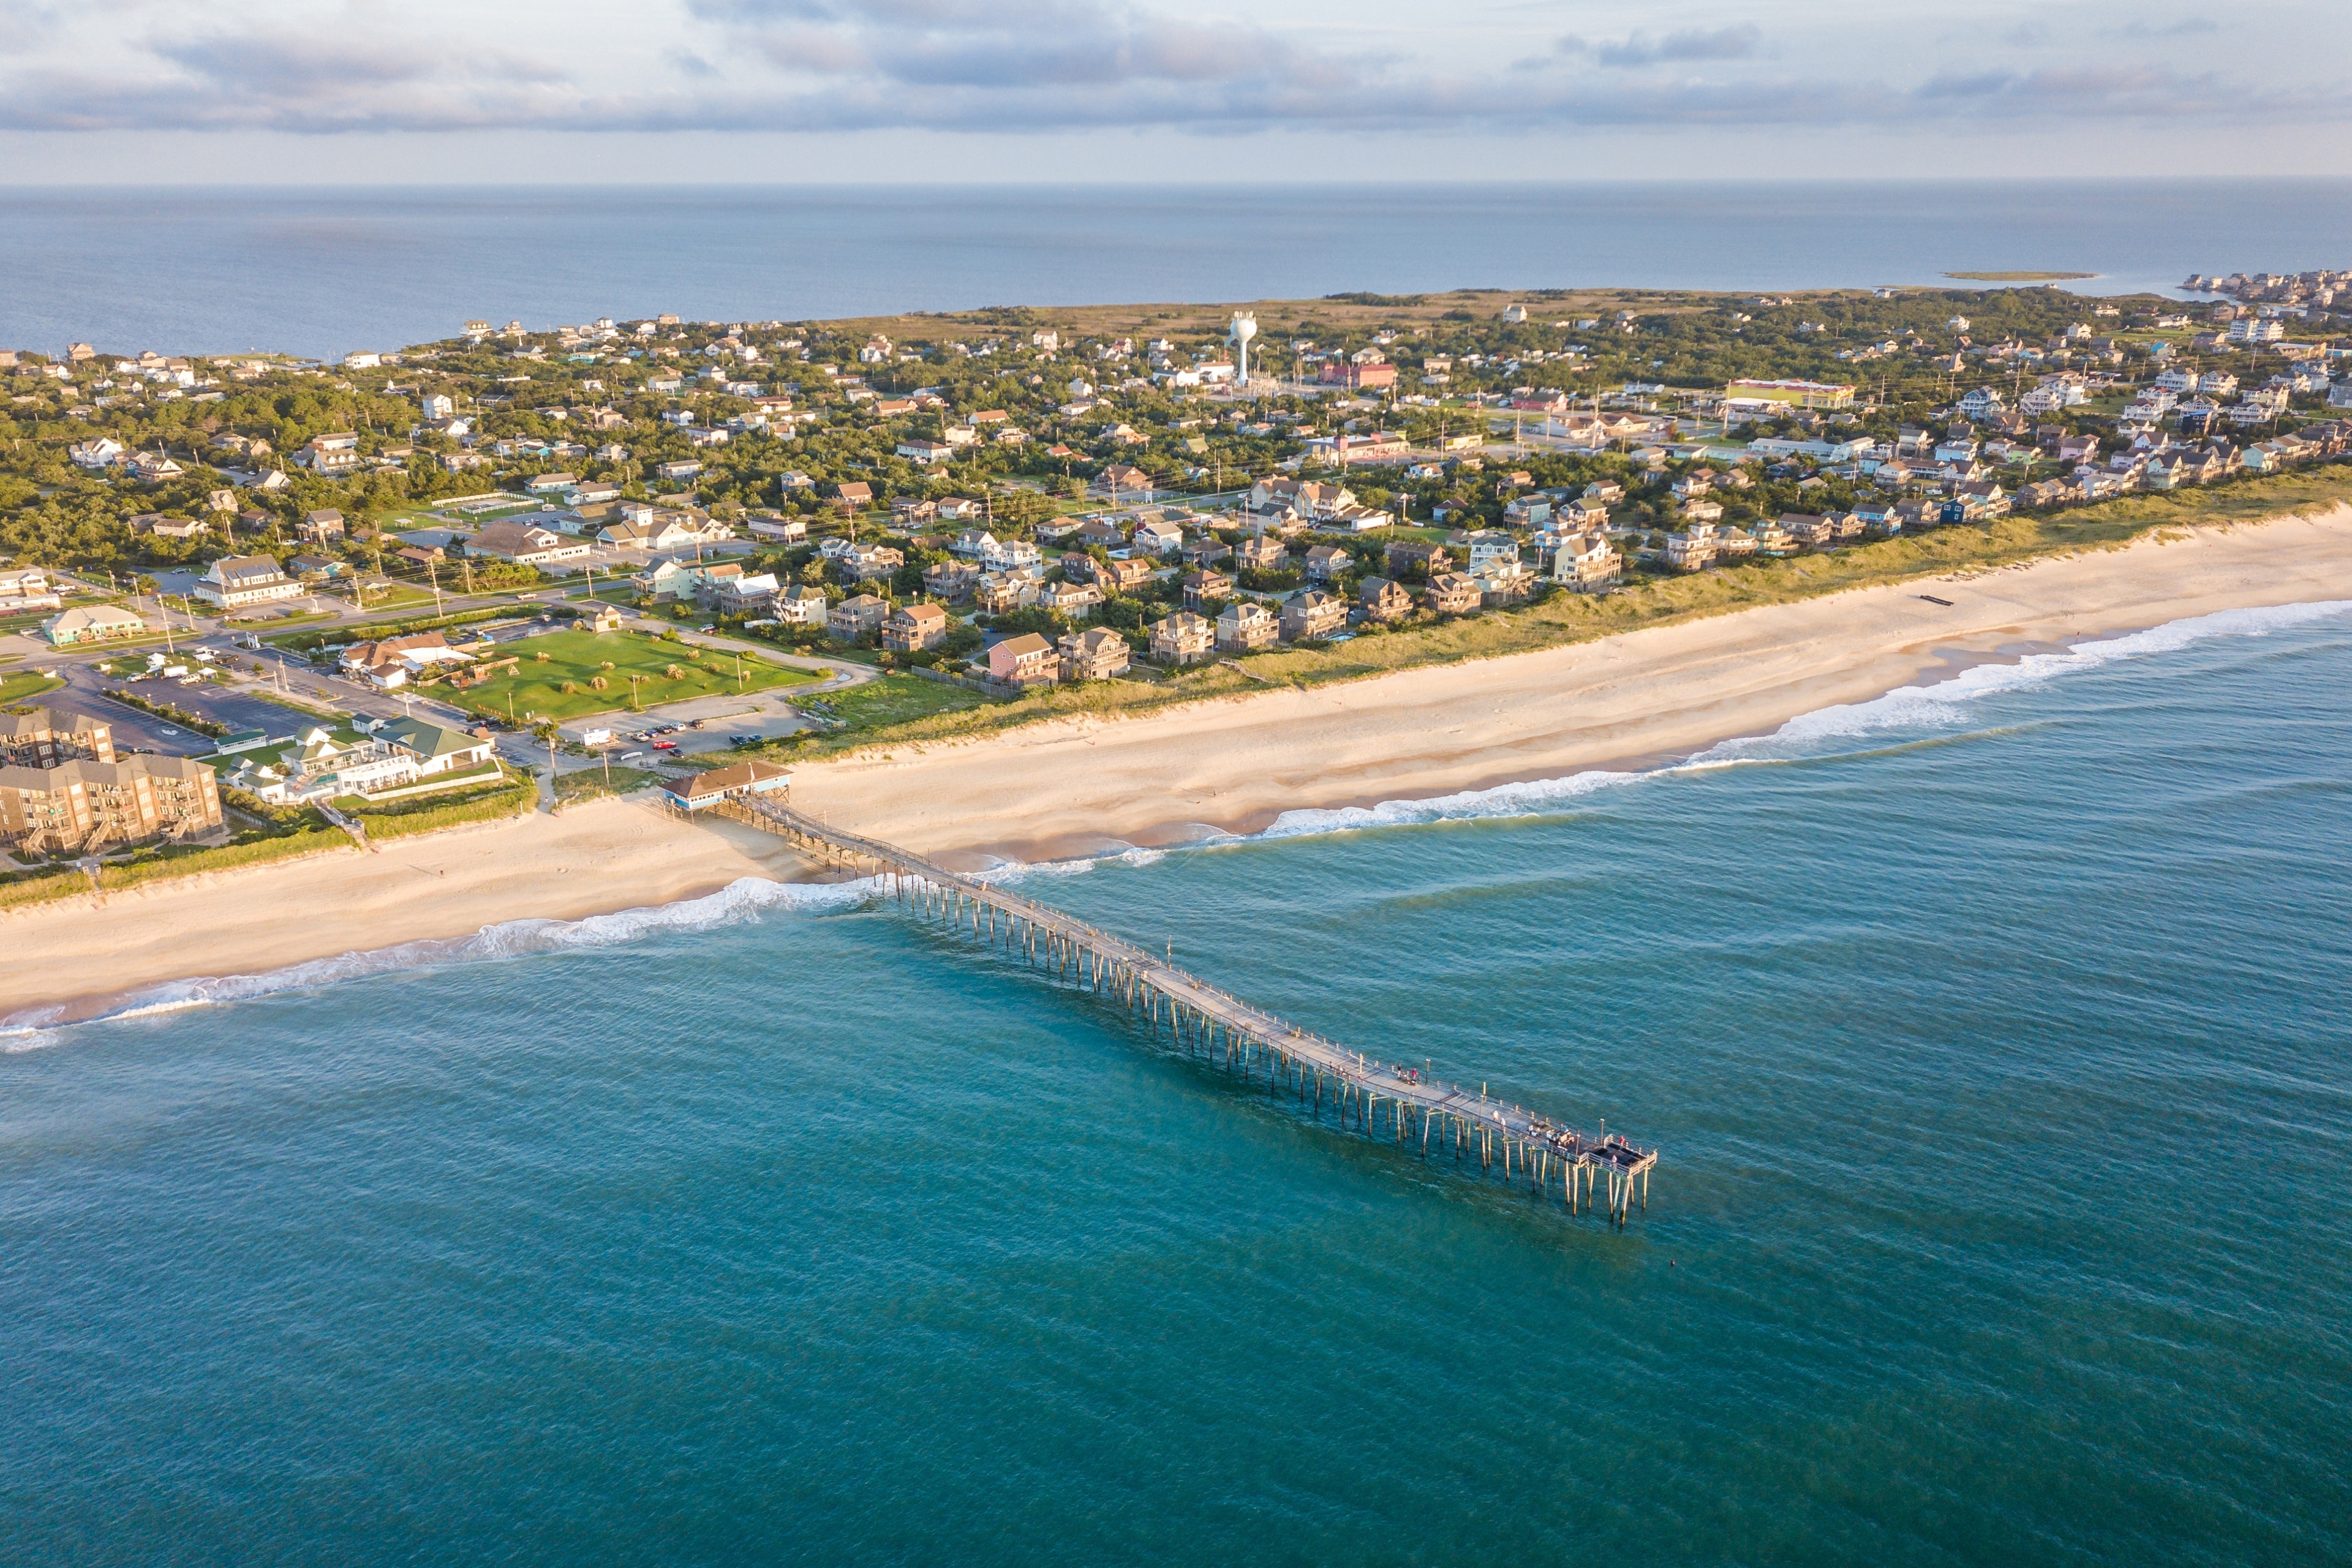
1049,70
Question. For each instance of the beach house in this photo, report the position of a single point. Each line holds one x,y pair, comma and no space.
1095,654
1181,638
911,628
855,617
1313,613
1024,660
1245,626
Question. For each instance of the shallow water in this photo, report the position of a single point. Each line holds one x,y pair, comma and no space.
1992,1032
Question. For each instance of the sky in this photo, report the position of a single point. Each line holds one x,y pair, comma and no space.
982,91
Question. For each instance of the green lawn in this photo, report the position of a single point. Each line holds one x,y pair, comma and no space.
23,686
578,658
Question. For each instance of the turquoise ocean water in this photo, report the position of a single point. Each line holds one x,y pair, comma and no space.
1994,1033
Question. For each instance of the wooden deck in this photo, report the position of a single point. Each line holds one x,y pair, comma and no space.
1378,1099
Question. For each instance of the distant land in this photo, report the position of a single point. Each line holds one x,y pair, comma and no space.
2022,277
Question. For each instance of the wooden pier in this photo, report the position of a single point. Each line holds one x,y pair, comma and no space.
1378,1099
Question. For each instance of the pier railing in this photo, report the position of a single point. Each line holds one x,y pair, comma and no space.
1380,1098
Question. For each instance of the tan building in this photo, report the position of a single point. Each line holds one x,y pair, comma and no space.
1691,551
1325,561
1313,613
1181,638
1586,562
950,580
1095,654
1384,599
854,617
1454,593
1245,626
44,737
81,804
1203,586
1260,554
914,627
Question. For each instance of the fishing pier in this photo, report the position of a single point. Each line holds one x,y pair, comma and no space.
1589,1173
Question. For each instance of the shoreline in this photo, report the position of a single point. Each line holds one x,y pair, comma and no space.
1234,764
1230,765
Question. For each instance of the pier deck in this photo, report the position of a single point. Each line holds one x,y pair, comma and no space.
1379,1099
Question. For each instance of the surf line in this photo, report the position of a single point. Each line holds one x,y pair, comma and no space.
1379,1099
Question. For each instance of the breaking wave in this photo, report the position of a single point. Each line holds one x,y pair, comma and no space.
743,899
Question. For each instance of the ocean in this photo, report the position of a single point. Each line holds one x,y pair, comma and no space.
323,272
1993,1033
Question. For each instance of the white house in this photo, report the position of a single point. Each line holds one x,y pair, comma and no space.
236,581
1009,555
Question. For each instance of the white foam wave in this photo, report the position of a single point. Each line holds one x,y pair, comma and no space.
743,899
1942,704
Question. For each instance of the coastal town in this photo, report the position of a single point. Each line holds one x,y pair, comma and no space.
246,601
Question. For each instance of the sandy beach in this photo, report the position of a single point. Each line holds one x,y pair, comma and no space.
607,855
1231,766
1636,700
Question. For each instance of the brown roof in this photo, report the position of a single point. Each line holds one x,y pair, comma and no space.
723,781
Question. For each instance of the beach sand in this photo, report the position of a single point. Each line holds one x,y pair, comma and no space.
1646,697
1231,766
595,858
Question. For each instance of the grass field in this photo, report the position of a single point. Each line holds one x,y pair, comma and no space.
23,686
577,659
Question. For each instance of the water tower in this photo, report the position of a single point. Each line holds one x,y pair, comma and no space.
1243,329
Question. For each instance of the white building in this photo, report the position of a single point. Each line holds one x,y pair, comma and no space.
235,582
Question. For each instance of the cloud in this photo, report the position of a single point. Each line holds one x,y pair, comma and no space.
1742,41
2187,28
1070,44
1023,66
